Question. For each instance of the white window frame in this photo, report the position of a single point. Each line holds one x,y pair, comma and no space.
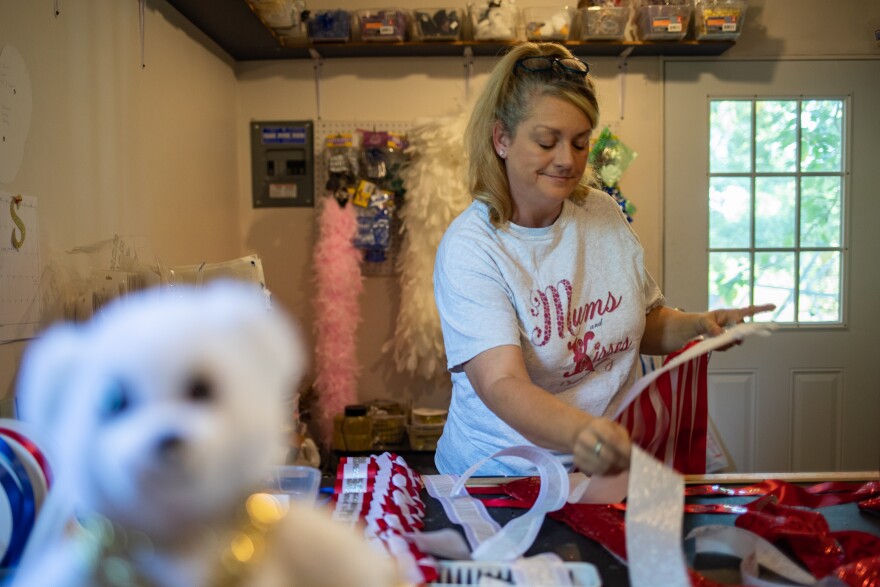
797,249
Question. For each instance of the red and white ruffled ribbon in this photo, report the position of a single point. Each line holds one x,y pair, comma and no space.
382,493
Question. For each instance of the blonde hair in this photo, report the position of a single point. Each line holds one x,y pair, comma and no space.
507,100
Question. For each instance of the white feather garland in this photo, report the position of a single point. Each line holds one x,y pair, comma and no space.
436,192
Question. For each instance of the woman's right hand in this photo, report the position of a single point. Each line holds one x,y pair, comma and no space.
602,447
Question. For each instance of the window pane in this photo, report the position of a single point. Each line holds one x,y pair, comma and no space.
820,287
775,211
775,284
729,280
730,136
776,136
821,211
729,212
821,135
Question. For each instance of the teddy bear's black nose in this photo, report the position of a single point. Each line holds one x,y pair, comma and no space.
169,445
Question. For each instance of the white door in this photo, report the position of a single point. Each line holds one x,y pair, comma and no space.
808,397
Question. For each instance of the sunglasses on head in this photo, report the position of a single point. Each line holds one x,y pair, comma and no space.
567,66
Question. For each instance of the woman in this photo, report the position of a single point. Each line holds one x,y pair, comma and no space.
544,299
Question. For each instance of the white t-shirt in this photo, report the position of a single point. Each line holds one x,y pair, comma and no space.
573,296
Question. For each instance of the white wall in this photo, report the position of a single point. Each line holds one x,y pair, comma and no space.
117,149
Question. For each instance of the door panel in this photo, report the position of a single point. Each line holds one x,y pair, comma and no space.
816,402
732,403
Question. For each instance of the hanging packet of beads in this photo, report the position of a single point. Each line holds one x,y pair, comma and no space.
380,191
375,211
341,161
382,156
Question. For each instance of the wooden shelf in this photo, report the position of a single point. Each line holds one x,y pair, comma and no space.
490,49
240,32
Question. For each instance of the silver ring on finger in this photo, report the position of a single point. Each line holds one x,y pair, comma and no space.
598,448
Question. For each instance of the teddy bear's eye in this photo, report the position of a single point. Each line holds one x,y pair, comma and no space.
200,390
116,400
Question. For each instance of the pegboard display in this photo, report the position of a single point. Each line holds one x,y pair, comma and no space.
326,128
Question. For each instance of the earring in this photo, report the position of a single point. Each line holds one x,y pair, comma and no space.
501,153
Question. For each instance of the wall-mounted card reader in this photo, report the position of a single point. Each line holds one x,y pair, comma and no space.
282,163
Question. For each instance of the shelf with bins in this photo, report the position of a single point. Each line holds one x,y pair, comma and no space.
491,49
237,29
595,31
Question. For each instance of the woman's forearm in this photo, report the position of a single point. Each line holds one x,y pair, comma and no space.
667,330
499,378
540,417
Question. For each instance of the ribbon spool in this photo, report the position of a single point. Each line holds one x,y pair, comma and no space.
25,475
33,459
20,498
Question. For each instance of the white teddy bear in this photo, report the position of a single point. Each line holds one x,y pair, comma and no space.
161,416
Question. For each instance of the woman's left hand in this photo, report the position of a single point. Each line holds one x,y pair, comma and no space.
715,322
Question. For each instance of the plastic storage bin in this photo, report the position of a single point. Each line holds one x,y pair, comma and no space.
388,429
438,24
382,24
424,436
719,19
428,416
275,13
494,20
547,23
663,22
604,21
294,482
330,25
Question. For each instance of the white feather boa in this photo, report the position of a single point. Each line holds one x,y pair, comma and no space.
436,192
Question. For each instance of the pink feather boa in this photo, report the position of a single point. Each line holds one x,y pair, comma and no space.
338,283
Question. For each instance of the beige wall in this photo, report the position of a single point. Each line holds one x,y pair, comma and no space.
408,88
116,149
165,151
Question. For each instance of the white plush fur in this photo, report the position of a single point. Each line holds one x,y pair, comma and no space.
162,414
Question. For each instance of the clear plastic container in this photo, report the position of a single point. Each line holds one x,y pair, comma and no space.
603,22
275,13
663,22
438,24
428,416
357,428
424,436
494,20
547,23
382,24
719,19
330,26
295,482
388,429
